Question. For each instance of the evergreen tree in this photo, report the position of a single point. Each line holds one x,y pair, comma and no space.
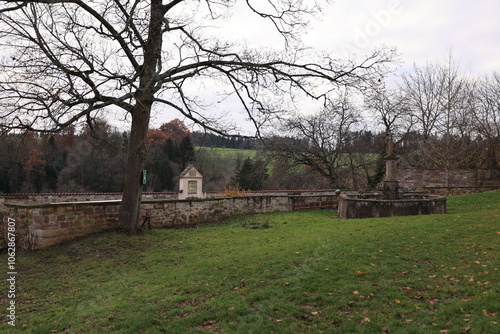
251,174
186,152
171,150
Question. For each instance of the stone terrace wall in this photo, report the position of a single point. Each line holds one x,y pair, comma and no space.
431,178
53,223
49,224
190,212
452,191
325,201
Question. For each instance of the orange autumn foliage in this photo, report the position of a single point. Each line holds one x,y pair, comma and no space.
157,137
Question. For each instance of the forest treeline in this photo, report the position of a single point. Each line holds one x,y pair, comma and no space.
92,159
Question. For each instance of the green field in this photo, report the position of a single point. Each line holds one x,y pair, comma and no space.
221,160
227,153
297,272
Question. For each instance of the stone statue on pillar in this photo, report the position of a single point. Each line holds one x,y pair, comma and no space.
389,145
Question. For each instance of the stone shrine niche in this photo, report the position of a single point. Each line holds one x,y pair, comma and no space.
191,183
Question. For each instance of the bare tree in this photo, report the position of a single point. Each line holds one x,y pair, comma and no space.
390,107
441,102
487,118
71,60
425,91
323,139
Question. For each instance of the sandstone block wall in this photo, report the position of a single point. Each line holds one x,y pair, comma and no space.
430,178
352,207
314,202
43,224
49,224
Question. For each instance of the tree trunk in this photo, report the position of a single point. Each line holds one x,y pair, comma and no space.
132,188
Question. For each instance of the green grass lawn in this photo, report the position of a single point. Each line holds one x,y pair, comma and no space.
227,153
298,272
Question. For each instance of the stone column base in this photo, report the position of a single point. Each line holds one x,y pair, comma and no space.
391,189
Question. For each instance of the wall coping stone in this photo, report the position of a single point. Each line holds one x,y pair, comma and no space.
426,198
56,204
147,201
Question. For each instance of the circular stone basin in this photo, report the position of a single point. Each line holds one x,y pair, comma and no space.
356,205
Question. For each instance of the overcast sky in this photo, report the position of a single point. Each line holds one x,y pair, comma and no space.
423,30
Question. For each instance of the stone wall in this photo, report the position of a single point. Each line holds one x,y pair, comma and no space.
452,191
412,178
303,202
43,224
190,212
355,207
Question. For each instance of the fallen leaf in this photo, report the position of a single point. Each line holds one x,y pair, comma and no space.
360,272
489,314
208,325
364,320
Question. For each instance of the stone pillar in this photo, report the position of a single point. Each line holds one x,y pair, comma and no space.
391,168
391,183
